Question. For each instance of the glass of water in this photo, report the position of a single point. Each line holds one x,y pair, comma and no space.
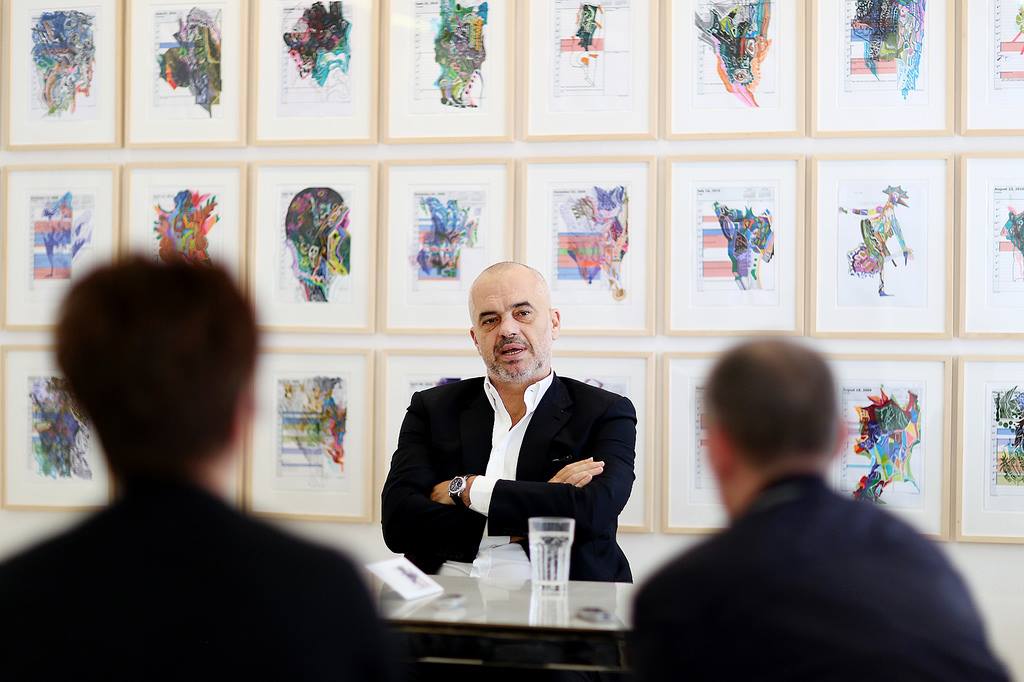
550,542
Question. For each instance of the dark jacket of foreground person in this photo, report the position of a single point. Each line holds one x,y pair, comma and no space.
808,585
171,584
447,432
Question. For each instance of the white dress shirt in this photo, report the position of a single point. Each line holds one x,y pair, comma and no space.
498,556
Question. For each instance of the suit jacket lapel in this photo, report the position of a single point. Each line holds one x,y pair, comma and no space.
476,424
549,418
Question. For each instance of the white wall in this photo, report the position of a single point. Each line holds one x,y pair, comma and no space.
994,572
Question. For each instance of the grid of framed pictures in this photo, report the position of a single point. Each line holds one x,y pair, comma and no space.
310,452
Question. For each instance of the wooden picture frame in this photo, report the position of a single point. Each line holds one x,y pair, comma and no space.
748,121
709,515
933,517
35,309
721,170
978,315
293,496
48,483
93,122
144,128
1002,116
390,248
445,363
939,277
646,417
539,256
132,214
561,125
366,85
467,120
968,430
307,313
871,121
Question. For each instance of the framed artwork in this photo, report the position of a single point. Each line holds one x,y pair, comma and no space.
51,459
734,68
591,69
444,222
690,502
186,67
630,375
61,221
448,70
63,74
881,245
992,67
734,252
183,211
587,226
991,245
401,373
897,411
318,67
990,450
314,245
882,68
310,454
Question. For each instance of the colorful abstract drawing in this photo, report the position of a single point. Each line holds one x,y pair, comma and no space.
1009,441
311,420
319,42
595,238
737,32
877,227
459,51
1013,230
889,432
194,63
182,230
587,24
444,228
750,241
316,230
60,437
585,47
58,236
65,56
892,34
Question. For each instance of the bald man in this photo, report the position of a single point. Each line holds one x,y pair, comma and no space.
479,457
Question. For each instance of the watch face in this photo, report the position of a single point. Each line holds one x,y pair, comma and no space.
456,485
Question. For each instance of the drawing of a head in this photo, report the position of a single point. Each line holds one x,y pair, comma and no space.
319,42
195,62
459,51
183,229
749,238
316,230
64,53
452,226
897,195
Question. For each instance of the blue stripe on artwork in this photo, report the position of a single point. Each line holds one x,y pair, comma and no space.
59,261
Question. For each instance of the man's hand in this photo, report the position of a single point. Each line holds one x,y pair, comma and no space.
579,473
440,493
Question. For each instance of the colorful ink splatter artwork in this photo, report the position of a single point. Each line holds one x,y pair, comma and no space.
1008,406
311,415
749,243
319,43
446,223
318,238
585,46
182,230
460,51
1013,231
737,33
59,433
59,233
888,433
193,60
592,236
877,225
64,54
887,42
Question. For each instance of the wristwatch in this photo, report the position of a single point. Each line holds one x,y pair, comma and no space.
455,489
